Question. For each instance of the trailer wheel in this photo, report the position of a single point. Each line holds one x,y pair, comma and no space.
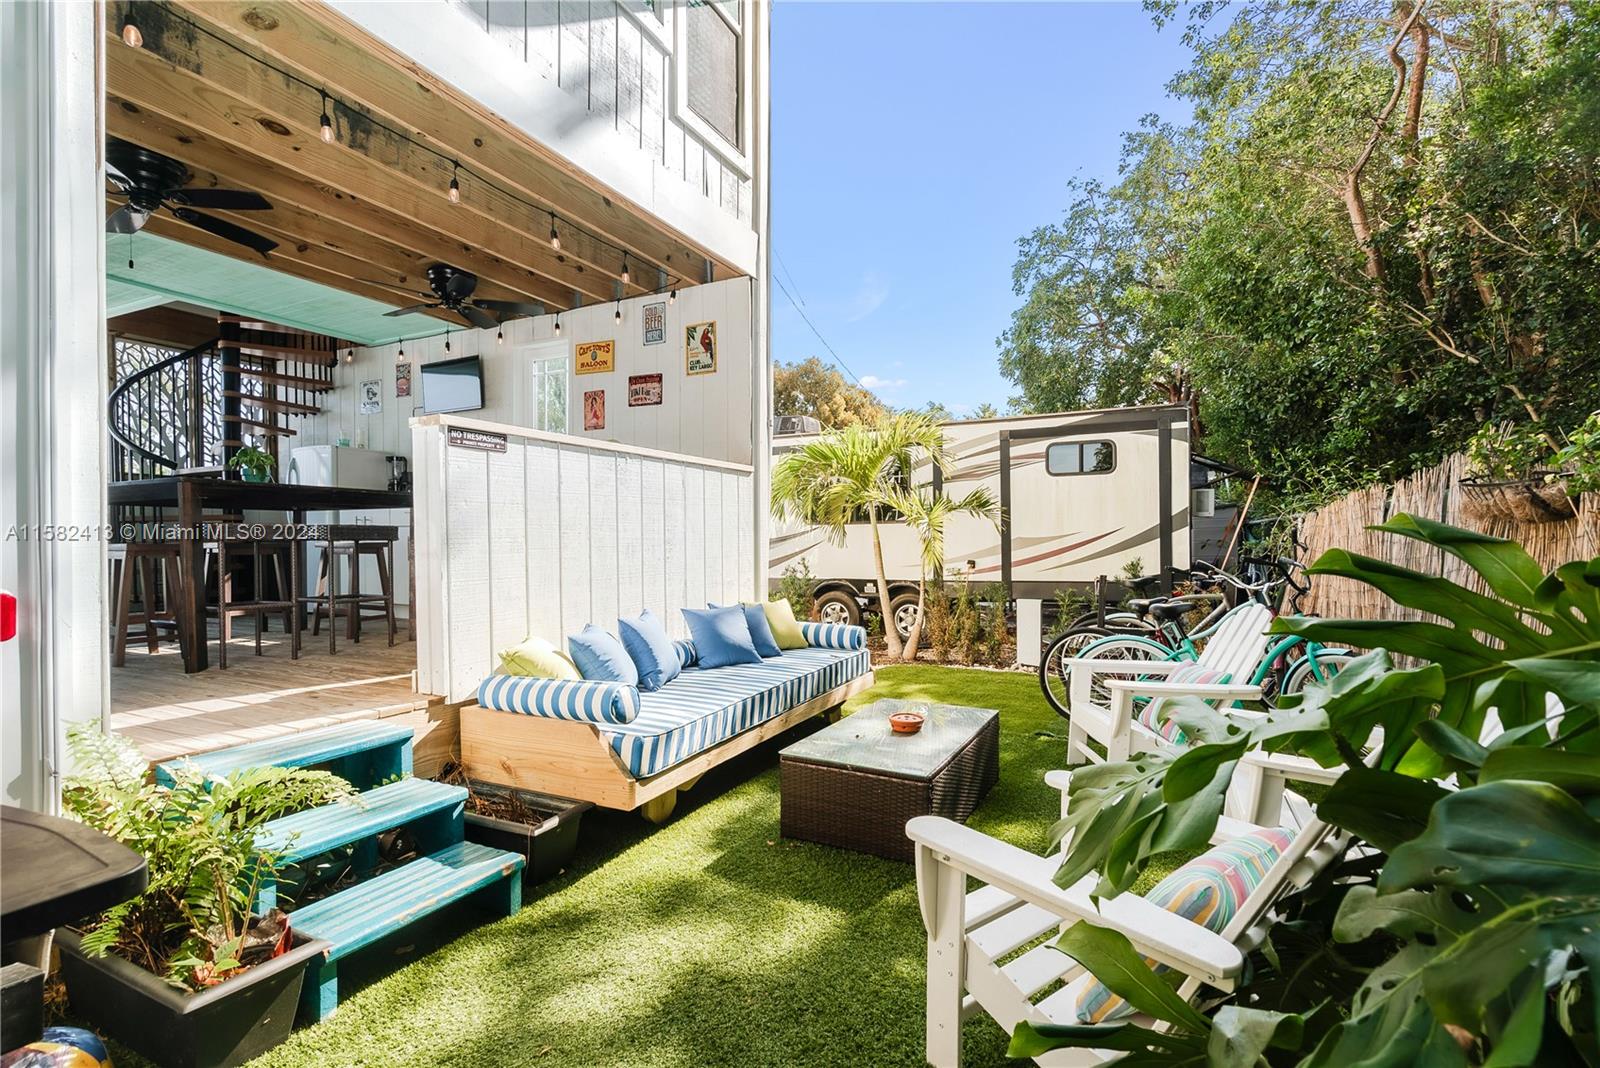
904,610
837,606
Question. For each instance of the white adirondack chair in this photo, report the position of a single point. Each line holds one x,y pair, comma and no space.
974,938
1235,649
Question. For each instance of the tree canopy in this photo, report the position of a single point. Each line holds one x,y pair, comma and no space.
811,387
1379,231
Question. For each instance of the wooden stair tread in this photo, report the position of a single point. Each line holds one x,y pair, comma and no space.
294,751
317,830
292,407
365,912
298,381
271,429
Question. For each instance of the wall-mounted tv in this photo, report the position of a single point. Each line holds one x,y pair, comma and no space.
452,385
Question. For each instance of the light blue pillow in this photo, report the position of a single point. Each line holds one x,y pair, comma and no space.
645,638
755,617
600,657
721,637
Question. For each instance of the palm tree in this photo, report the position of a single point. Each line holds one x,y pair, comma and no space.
925,513
847,472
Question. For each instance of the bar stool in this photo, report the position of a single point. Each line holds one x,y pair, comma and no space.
157,565
350,542
235,540
279,554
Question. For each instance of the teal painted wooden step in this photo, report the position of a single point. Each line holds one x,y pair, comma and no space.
366,912
367,753
432,809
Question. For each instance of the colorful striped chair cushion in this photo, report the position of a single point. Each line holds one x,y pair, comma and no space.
591,702
833,635
702,707
1208,891
1194,675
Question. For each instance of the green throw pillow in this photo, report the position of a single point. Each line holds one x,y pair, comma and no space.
780,617
538,658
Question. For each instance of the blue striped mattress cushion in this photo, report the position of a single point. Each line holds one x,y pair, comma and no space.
833,635
701,708
590,702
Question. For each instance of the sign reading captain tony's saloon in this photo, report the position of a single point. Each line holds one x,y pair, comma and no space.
594,357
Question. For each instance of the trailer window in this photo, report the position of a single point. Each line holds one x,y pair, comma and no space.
1080,457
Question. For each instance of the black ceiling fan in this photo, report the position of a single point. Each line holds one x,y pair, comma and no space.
150,180
454,287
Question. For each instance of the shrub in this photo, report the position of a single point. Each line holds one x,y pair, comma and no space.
993,624
797,586
965,624
937,619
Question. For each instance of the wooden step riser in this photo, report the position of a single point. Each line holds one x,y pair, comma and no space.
287,407
312,385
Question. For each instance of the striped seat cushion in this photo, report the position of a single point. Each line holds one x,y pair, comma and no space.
1209,891
1194,675
834,635
701,708
591,702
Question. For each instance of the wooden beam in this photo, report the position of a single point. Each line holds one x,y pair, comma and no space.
359,229
197,80
164,326
332,51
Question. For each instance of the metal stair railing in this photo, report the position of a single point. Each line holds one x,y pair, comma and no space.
165,417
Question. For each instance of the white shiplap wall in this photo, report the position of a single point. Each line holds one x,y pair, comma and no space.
555,533
701,415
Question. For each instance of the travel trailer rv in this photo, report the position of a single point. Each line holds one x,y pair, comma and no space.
1084,494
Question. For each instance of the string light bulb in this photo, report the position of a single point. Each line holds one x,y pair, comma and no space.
455,184
447,341
350,357
555,238
626,278
131,35
558,326
672,298
618,316
402,354
500,335
327,123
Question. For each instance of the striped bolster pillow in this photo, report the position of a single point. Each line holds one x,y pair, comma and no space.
590,702
833,635
688,655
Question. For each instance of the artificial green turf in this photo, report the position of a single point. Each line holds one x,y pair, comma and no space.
707,941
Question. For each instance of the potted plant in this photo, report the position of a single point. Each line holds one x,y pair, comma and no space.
1525,473
253,464
185,973
542,828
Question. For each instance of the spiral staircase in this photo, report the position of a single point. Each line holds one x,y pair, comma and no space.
249,385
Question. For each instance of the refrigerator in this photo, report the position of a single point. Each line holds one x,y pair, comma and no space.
343,465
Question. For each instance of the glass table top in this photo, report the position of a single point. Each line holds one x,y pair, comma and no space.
866,741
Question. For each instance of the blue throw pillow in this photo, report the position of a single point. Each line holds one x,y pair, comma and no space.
600,657
755,617
721,637
645,638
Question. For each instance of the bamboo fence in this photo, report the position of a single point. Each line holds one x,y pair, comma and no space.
1435,494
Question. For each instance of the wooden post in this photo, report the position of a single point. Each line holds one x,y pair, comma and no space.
191,550
1238,523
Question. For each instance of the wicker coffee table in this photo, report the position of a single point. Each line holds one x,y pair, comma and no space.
856,783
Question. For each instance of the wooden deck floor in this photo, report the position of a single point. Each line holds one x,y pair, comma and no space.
169,714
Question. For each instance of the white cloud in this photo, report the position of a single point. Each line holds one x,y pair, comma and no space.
874,382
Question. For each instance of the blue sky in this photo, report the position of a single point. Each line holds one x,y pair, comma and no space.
913,143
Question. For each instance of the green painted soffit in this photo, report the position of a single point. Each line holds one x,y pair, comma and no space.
166,270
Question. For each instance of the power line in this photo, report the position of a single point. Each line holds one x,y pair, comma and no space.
836,357
790,273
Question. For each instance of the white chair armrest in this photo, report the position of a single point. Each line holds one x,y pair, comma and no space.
1099,665
1207,690
1287,766
1058,779
1164,936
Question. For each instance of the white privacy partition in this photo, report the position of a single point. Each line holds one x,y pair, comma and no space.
524,533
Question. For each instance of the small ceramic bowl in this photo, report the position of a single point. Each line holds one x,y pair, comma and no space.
905,722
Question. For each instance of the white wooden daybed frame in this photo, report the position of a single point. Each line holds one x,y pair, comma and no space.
569,758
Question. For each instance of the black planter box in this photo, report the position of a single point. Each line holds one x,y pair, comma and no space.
547,845
228,1024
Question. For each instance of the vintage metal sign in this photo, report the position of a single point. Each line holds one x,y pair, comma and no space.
700,349
594,357
482,440
655,323
644,390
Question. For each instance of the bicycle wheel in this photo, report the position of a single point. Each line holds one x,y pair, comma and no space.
1329,663
1052,675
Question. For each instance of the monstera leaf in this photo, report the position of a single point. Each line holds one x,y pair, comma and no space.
1532,634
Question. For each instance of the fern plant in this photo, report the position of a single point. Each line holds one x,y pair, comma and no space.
193,922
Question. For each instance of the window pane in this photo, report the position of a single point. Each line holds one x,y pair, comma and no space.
713,70
1097,456
1065,458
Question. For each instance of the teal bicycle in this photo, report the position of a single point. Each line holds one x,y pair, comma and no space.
1163,633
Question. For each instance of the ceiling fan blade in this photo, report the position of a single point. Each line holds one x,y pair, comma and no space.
117,178
222,199
413,308
476,316
126,220
460,285
226,230
508,309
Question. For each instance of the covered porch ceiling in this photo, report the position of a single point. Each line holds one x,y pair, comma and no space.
233,90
